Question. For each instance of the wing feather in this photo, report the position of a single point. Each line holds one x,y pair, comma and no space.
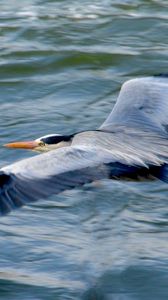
57,171
142,102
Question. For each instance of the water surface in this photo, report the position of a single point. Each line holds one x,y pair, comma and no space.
62,64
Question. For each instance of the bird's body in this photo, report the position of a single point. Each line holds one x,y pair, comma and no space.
131,144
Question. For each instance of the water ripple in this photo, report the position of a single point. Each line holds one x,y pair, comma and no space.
62,65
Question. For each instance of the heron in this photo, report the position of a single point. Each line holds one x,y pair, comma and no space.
131,144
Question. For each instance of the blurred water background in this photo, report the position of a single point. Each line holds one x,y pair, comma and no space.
61,67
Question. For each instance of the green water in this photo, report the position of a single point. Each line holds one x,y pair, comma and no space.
62,64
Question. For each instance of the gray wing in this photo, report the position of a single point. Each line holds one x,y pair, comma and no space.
56,171
142,103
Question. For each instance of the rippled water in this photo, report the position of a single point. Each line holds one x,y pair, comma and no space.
62,64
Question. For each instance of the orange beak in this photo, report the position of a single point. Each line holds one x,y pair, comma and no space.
30,145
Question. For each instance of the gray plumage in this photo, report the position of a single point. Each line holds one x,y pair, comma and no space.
131,143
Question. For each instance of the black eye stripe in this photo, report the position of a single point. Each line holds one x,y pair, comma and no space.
56,139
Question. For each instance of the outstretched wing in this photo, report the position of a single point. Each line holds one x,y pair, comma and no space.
142,103
59,170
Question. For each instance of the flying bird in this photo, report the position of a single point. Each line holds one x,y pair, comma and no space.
132,143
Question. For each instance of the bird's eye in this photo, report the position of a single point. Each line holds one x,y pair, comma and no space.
41,144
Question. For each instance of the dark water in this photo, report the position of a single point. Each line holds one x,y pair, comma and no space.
61,67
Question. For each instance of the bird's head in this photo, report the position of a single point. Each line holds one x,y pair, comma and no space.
44,143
